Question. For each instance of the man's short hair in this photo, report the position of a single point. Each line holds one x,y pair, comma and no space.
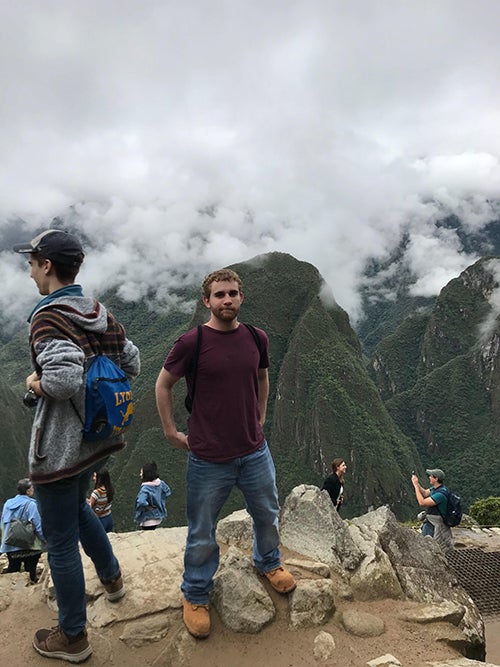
217,277
66,273
24,485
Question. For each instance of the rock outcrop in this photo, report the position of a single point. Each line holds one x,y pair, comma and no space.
337,563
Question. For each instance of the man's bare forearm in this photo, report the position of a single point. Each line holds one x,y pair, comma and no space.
165,408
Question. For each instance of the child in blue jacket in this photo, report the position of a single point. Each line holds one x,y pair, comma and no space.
150,506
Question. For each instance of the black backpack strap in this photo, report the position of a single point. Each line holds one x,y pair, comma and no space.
446,493
193,366
256,337
195,360
193,369
23,511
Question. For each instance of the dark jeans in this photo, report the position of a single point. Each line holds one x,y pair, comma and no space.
107,522
68,519
30,563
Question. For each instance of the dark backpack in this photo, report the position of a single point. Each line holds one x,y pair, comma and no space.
453,514
193,366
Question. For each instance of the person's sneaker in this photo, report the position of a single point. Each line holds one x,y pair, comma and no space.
280,579
57,644
196,618
114,590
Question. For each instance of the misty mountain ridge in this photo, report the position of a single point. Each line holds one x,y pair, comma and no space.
385,420
391,283
316,367
388,285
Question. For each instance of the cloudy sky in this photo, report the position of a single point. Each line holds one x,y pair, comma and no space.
183,135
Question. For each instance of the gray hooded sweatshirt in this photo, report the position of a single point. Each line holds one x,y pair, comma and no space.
58,332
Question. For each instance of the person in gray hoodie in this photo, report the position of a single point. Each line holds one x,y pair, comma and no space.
67,329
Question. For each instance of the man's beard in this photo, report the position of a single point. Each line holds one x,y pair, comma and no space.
227,314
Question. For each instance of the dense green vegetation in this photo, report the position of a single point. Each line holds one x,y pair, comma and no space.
486,511
445,403
15,422
397,357
429,398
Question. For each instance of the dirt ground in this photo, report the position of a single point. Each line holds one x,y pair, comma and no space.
276,645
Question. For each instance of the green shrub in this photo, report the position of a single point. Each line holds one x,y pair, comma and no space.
486,511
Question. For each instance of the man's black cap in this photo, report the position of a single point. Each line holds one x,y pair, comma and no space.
56,245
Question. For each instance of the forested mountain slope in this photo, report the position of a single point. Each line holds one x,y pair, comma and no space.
439,383
439,374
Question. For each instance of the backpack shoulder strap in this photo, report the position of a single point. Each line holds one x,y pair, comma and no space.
24,512
446,493
255,335
194,361
193,366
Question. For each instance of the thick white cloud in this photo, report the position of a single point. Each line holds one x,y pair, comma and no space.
187,135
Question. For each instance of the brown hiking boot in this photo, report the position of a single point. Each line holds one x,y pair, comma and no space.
55,643
196,618
280,579
115,589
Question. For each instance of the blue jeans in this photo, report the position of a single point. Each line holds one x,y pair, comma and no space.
107,522
427,528
208,487
67,518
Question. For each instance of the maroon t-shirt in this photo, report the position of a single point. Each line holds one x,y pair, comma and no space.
224,423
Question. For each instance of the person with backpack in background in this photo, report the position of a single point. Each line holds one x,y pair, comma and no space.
22,507
435,501
226,444
150,505
67,332
101,498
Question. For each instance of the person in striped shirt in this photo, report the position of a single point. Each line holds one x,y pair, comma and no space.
101,498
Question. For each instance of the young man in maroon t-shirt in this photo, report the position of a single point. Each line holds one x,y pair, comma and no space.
225,442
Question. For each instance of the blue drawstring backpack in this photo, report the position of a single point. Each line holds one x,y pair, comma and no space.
109,408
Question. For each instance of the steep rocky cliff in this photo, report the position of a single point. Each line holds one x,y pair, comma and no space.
322,401
439,374
431,398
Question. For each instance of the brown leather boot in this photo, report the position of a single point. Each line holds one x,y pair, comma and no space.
57,644
114,590
280,579
196,618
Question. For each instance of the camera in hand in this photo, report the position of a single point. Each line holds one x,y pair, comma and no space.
30,399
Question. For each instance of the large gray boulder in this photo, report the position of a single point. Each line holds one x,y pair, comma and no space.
374,578
310,525
239,596
312,603
424,574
